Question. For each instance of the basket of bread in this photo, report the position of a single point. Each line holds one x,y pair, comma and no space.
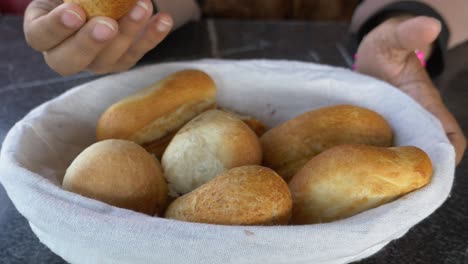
219,161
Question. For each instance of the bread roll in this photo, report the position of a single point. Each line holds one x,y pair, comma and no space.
208,145
248,195
153,116
348,179
256,125
289,146
120,173
110,8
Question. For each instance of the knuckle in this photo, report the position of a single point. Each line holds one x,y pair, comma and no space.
82,45
131,56
99,68
58,66
124,66
143,46
57,69
149,43
30,39
99,71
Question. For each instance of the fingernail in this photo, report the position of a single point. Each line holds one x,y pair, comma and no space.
139,11
71,19
163,25
103,30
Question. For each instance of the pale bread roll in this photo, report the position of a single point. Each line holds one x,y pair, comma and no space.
120,173
208,145
287,147
348,179
152,116
248,195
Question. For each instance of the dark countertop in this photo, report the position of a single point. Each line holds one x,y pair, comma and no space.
26,82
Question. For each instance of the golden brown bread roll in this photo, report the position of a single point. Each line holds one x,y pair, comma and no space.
152,116
287,147
248,195
110,8
256,125
208,145
348,179
120,173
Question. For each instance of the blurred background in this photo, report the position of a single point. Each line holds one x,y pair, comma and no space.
335,10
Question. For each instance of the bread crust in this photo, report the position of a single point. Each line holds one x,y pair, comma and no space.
159,110
110,8
248,195
208,145
292,144
348,179
120,173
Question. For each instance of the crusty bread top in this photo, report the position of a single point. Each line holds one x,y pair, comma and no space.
248,195
159,109
110,8
290,145
349,179
120,173
206,146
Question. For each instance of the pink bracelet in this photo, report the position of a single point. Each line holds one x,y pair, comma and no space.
419,54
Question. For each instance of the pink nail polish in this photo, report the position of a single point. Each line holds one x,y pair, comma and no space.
71,19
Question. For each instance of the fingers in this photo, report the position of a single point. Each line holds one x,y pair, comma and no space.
129,27
451,127
46,26
415,33
78,51
156,30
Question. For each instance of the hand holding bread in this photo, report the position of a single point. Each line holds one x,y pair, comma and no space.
339,160
100,36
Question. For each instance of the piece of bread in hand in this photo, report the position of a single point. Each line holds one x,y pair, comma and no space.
109,8
349,179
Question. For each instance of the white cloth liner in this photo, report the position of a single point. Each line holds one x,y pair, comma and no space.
39,148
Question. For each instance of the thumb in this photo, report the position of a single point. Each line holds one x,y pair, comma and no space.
414,33
386,50
398,38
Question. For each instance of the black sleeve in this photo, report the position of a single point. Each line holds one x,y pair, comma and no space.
435,64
